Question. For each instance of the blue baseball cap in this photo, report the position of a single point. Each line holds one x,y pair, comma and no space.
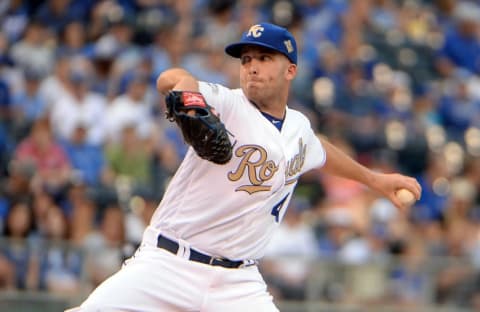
266,35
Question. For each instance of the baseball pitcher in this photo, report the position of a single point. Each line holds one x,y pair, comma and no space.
247,152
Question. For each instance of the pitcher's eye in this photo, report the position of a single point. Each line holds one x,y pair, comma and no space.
245,59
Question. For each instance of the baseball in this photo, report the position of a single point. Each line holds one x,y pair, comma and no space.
406,197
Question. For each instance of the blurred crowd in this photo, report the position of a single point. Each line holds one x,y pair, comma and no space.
86,152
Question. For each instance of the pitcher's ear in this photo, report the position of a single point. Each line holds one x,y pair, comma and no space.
291,71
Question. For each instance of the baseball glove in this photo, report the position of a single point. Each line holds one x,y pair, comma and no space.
201,127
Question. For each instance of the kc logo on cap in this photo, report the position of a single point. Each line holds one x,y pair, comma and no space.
255,31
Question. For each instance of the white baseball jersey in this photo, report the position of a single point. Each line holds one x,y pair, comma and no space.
232,210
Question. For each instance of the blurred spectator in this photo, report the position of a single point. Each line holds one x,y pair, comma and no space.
425,110
6,147
18,250
322,20
142,205
383,214
55,85
209,66
11,76
174,136
58,13
335,230
457,282
41,202
459,110
60,266
7,272
434,238
167,153
152,98
14,17
356,103
87,159
288,254
73,38
104,81
349,195
462,46
83,216
104,247
40,151
118,39
33,50
457,286
129,158
5,101
15,187
461,200
409,278
219,26
79,105
168,49
397,101
444,11
432,204
28,105
384,15
19,221
130,109
472,174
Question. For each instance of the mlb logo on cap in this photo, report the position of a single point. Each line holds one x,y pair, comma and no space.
266,35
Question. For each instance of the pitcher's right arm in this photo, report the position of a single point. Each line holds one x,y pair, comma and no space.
176,79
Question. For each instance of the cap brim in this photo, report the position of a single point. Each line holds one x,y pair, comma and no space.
235,49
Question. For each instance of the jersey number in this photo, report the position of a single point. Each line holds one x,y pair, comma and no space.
278,207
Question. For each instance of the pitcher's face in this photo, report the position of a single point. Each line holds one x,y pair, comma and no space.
264,72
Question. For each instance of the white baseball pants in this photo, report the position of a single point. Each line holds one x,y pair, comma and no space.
156,280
